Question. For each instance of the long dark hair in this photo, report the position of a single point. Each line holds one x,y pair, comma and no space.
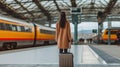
62,20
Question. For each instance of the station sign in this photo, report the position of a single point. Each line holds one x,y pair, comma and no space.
94,31
75,10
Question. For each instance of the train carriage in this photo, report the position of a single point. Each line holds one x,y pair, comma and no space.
15,32
113,35
45,35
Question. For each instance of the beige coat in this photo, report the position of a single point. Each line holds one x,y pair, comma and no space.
63,36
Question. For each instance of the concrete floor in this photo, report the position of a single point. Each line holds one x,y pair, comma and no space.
46,55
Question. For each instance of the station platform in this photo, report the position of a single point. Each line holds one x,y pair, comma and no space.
48,56
112,50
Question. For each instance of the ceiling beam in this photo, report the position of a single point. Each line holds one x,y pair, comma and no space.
57,6
109,7
4,7
102,3
43,10
24,8
73,3
107,10
22,2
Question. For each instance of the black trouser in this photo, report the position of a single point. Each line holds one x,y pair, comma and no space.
62,50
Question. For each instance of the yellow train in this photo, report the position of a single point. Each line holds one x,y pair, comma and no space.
15,32
113,36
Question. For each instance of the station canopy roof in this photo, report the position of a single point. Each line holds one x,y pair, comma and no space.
44,11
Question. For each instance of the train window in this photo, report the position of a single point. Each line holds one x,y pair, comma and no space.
14,27
47,31
52,32
18,28
27,29
8,27
2,27
22,28
112,32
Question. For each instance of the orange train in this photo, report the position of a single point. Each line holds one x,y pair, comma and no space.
15,32
113,35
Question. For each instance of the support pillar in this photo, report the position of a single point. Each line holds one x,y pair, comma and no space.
109,31
75,22
100,28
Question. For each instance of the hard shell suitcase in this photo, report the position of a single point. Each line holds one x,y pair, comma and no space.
66,60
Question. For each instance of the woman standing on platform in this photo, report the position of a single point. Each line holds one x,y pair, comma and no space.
63,33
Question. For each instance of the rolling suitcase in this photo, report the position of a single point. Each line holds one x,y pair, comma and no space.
66,60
